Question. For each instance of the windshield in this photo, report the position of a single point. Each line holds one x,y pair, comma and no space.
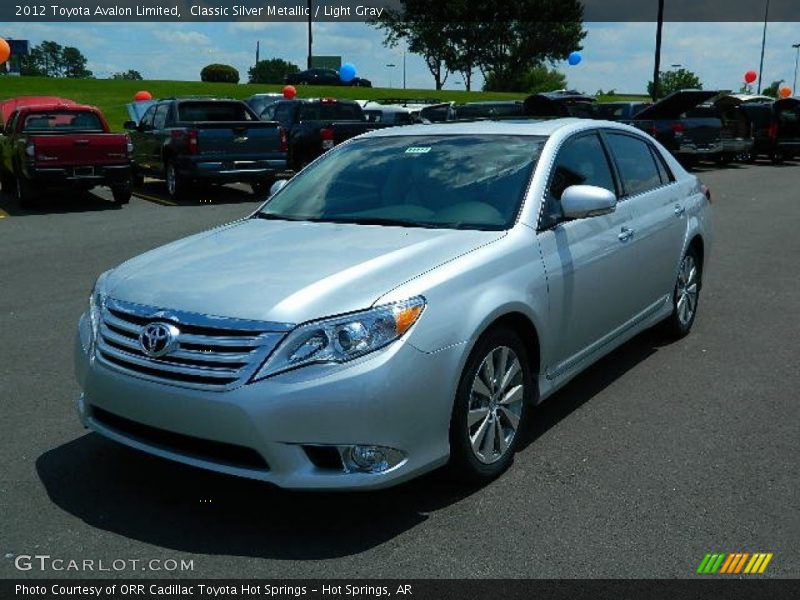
458,182
62,122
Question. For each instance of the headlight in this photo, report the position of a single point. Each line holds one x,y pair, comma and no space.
97,300
340,339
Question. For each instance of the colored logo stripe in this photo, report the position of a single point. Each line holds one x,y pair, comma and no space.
734,562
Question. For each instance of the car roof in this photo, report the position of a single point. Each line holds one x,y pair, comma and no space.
504,127
387,108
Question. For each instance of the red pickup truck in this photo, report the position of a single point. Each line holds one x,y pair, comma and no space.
62,145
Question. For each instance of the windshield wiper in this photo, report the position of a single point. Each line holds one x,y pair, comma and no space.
276,217
382,221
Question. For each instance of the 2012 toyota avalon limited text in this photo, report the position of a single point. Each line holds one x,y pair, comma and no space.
402,303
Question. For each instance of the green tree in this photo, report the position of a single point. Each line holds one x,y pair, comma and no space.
219,74
501,39
419,23
672,81
535,80
51,54
273,70
130,74
772,89
74,63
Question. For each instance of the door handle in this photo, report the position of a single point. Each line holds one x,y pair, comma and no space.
625,234
679,210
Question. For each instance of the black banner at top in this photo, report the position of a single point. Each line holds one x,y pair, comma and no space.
32,11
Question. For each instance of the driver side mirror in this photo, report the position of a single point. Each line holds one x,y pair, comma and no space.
580,201
277,186
130,125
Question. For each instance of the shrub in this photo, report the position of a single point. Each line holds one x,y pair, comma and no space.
219,74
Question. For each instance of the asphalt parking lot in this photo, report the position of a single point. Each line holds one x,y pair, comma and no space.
653,457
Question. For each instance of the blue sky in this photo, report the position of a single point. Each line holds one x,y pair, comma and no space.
617,56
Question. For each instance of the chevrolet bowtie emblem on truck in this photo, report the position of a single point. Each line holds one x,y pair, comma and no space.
158,339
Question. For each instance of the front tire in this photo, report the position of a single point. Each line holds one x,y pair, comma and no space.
26,193
494,394
686,296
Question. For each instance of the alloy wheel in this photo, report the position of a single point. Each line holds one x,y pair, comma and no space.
686,292
495,405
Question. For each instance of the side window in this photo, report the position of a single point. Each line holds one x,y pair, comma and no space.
663,169
581,160
147,119
635,162
160,118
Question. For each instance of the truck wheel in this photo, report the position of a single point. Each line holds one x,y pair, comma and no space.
137,179
122,193
778,158
262,187
7,182
26,193
177,186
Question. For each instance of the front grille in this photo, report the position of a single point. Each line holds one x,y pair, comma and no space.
210,352
209,450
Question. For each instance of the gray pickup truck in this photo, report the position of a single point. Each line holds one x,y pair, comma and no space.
216,140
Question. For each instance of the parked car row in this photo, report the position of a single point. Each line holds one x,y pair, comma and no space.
691,124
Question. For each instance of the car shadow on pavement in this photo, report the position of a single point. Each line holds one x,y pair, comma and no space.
132,494
58,203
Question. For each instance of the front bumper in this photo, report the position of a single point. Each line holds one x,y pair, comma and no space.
399,398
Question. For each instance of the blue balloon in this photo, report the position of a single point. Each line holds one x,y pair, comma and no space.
574,58
347,73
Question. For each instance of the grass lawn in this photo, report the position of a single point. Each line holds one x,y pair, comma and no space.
112,95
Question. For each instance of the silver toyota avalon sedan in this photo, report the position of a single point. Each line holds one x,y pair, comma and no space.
399,305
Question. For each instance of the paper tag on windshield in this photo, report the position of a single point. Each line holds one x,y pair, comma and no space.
418,150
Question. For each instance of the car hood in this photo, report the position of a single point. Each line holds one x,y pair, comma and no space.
284,271
674,105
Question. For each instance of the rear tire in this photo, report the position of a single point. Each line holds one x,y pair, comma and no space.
122,193
685,296
177,185
494,395
262,187
137,179
7,183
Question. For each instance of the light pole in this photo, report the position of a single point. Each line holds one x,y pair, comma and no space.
657,65
763,44
390,66
310,39
796,58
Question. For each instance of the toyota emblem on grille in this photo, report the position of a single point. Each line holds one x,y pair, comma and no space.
158,339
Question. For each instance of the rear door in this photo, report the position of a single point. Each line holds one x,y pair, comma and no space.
591,264
658,216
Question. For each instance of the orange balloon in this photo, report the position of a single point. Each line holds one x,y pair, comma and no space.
5,51
142,96
785,92
289,92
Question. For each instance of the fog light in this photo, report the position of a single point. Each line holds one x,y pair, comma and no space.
371,459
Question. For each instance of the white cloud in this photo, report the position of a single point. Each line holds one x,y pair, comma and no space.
183,37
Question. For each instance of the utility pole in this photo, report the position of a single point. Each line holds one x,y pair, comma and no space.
796,58
763,44
310,39
404,69
657,67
